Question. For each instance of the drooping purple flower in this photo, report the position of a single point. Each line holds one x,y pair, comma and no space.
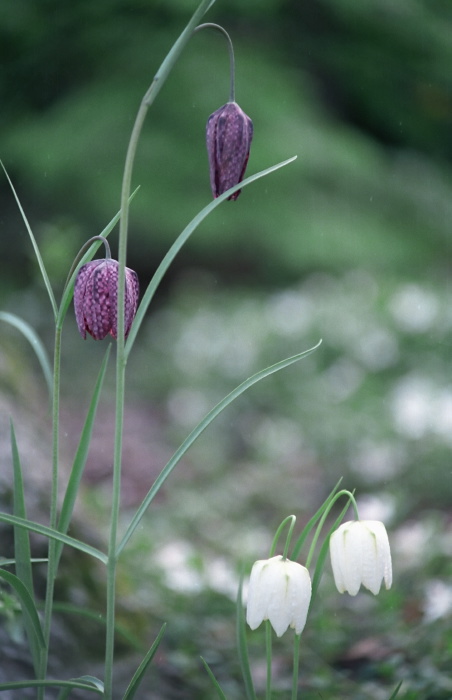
96,298
229,133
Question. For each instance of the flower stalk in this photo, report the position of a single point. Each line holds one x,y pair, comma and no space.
121,356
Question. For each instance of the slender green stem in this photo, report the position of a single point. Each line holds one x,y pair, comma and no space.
121,358
296,665
218,27
51,565
268,649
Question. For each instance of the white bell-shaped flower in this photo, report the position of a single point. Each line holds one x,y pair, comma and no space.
360,554
279,591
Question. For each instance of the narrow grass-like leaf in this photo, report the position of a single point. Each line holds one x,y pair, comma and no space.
30,334
22,550
180,241
44,274
309,525
215,683
69,288
95,616
55,535
11,562
75,684
242,647
95,685
323,554
28,607
396,691
80,456
196,432
142,668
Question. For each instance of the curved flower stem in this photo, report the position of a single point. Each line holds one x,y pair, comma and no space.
121,358
79,255
211,25
292,520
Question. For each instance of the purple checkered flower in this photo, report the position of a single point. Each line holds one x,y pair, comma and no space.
96,298
229,133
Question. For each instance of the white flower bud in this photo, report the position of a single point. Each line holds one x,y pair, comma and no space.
360,554
279,591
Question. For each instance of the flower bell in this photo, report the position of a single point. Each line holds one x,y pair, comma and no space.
360,554
96,298
279,591
229,133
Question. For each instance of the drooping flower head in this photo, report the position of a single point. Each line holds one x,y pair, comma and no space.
360,554
229,133
96,298
279,591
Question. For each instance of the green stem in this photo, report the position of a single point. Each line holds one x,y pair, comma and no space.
211,25
268,648
296,665
121,358
51,566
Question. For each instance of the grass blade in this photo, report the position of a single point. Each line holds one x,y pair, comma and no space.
180,241
54,534
322,555
44,274
30,334
196,432
22,550
308,527
73,684
95,685
396,691
216,685
80,456
142,668
28,607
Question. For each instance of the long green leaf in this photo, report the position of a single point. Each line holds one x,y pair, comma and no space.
30,334
95,685
180,241
69,288
95,616
11,562
215,683
396,691
142,668
320,564
28,606
196,432
55,535
242,647
17,685
80,457
309,525
22,550
44,274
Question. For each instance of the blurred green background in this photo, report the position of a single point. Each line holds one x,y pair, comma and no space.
350,244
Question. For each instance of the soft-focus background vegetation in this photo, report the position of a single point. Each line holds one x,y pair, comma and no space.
350,244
